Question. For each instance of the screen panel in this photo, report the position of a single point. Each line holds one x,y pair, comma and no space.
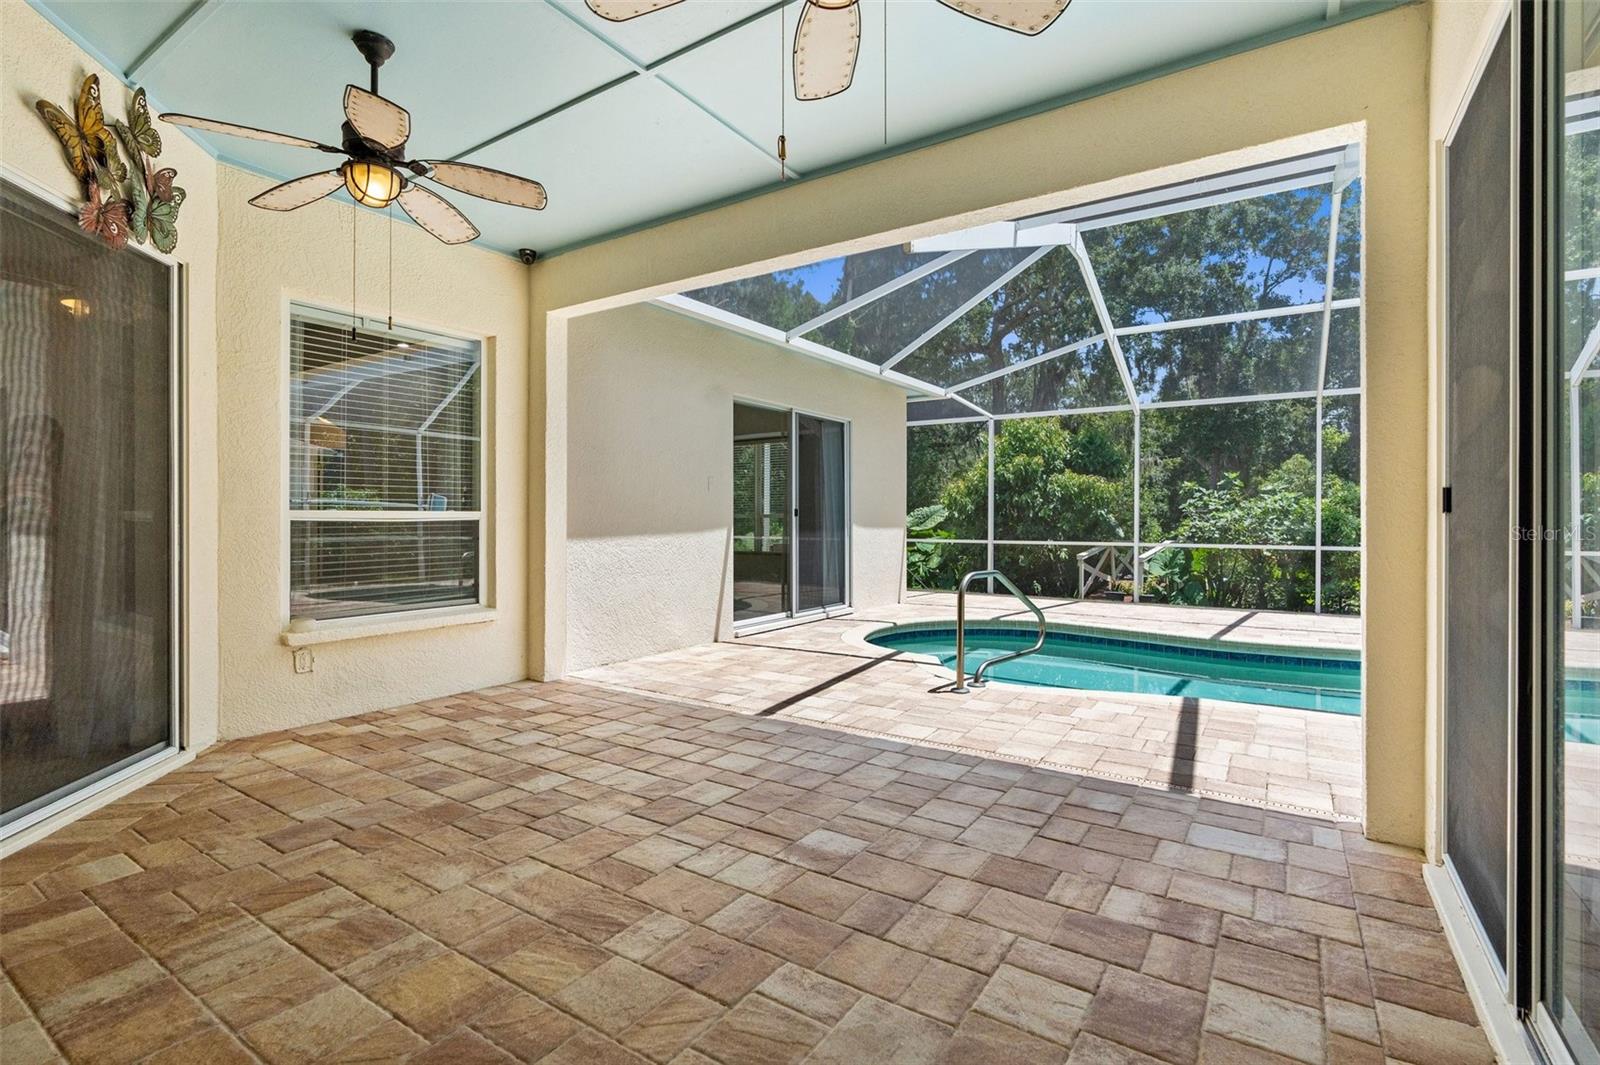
1478,574
86,535
820,520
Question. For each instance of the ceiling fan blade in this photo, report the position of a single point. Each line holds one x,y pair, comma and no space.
211,125
436,215
299,192
383,122
825,47
1024,16
623,10
496,185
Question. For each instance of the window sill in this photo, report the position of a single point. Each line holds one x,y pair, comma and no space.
308,633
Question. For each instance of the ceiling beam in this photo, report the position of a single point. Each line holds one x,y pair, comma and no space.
1239,316
965,402
1092,283
1054,353
1586,355
180,30
652,70
998,235
1282,175
970,302
874,294
737,323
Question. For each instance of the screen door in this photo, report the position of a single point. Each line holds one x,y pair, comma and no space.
820,513
86,507
1478,534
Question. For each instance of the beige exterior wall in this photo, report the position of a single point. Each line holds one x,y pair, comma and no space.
238,676
36,61
650,476
267,259
1462,32
1365,79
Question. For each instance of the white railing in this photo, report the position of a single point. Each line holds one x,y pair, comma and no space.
1110,563
1586,575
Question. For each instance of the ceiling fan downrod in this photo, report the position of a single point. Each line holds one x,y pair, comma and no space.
375,48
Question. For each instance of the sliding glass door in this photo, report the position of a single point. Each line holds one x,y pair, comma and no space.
87,602
1522,671
760,512
1571,868
791,520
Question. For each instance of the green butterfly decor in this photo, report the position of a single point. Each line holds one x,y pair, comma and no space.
148,208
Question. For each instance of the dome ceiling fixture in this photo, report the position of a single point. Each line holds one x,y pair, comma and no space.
374,137
828,38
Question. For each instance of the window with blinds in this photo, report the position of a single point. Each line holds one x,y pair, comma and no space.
385,468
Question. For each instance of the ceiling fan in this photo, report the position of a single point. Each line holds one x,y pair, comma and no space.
829,34
374,137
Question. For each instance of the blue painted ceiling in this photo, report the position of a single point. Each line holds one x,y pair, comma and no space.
630,123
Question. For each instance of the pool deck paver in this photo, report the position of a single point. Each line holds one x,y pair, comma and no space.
571,873
823,672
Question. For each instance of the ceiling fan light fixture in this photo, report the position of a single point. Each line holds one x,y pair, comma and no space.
375,133
371,184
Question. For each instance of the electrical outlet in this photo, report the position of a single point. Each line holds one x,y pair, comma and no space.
303,662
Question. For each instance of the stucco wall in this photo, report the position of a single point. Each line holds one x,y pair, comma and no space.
650,476
36,60
1365,78
266,259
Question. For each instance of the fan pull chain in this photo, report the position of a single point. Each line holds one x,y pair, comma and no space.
354,211
783,107
391,268
885,73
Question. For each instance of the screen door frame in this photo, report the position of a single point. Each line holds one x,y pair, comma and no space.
61,802
824,610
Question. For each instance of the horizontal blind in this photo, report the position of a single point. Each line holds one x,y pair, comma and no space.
385,458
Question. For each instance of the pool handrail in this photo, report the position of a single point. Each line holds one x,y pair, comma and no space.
961,687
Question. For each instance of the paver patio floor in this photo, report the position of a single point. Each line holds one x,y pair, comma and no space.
571,874
823,672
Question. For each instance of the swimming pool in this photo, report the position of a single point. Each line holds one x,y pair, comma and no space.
1147,665
1328,682
1581,707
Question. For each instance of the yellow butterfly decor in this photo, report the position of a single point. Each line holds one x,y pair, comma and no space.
147,209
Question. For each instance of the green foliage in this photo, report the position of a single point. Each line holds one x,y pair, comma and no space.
924,520
937,453
1282,510
923,561
1071,479
1051,482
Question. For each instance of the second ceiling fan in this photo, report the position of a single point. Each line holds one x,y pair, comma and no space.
828,37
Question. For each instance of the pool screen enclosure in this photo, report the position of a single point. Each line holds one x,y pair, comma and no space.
1154,396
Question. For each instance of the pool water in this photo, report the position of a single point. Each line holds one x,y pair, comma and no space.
1581,707
1147,666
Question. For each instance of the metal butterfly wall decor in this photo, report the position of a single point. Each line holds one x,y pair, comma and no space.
141,204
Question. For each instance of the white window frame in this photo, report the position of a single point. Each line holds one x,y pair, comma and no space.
299,631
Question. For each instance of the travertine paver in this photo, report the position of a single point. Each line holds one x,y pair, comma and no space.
824,672
571,874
